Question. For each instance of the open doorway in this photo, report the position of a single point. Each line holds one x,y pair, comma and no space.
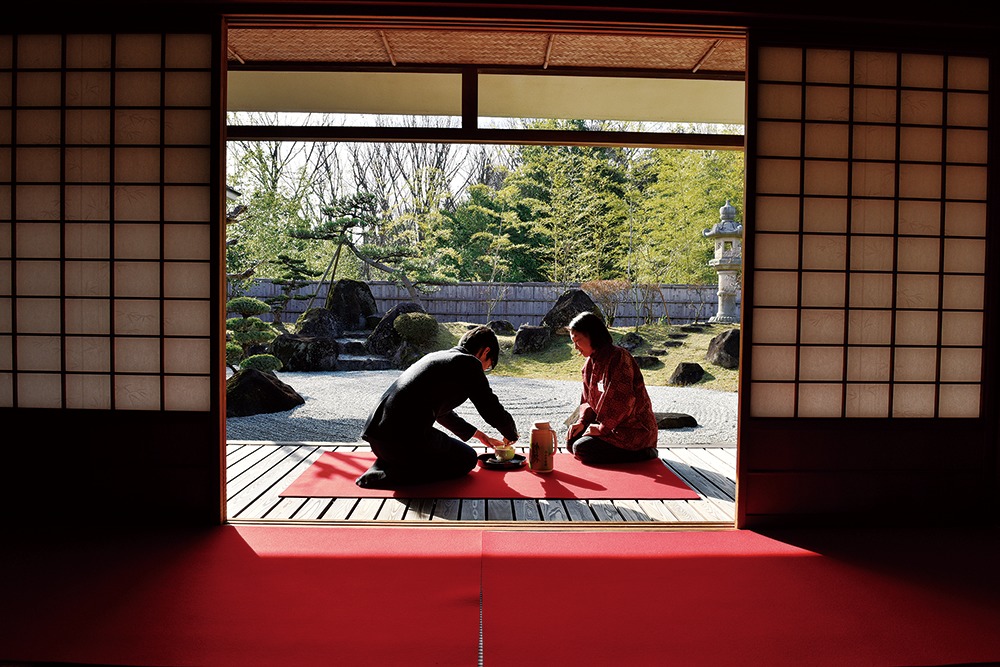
493,95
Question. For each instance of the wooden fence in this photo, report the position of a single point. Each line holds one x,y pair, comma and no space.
520,303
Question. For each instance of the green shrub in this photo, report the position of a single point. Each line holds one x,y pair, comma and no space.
265,363
234,352
416,328
247,306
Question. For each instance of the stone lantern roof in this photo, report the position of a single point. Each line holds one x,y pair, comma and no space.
727,225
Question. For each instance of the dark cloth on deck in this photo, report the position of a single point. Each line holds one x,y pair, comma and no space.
408,447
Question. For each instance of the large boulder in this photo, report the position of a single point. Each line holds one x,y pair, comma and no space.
384,339
306,353
570,303
501,327
531,339
686,373
631,341
320,323
646,361
724,349
352,302
252,392
670,420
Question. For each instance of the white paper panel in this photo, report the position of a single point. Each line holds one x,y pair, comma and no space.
959,400
868,364
915,364
874,105
919,217
871,253
773,362
37,202
774,325
920,144
88,354
780,64
967,146
961,328
912,400
137,165
916,328
187,318
823,290
781,139
39,353
968,109
188,89
961,364
88,89
825,178
873,179
87,202
91,165
5,239
821,363
776,288
188,51
38,390
88,51
88,316
869,327
872,216
916,291
874,142
966,183
187,393
964,256
187,242
137,51
137,126
187,355
921,107
875,69
38,240
39,126
824,215
137,355
920,180
137,279
137,317
38,89
6,353
918,254
137,392
776,251
88,126
779,101
137,89
772,400
963,293
186,280
826,140
184,126
38,165
88,240
137,241
6,315
87,278
137,202
828,66
822,326
88,392
968,73
187,165
922,71
42,316
822,251
827,103
867,400
37,279
820,400
39,51
187,203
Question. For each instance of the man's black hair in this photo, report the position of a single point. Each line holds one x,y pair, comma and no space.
475,340
592,326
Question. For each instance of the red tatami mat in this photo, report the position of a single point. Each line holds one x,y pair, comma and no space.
738,598
332,475
249,596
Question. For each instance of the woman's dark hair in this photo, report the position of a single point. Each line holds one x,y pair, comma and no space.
592,326
481,337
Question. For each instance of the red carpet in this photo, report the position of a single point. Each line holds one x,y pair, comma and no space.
740,598
247,596
333,475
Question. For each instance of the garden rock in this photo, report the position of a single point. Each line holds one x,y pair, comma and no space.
501,327
384,339
686,373
252,392
531,339
405,355
669,420
571,303
724,349
306,353
646,361
320,322
631,340
352,302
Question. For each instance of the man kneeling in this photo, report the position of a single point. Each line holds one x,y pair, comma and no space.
408,448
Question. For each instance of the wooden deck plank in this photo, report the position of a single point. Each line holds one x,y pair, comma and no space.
499,509
447,509
393,509
578,510
682,510
420,509
526,509
312,509
366,509
279,477
605,510
552,510
286,508
473,509
631,510
259,493
655,510
700,466
339,509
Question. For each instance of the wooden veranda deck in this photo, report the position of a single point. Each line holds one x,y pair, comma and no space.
256,472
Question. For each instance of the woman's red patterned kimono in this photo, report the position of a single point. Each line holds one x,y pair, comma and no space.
615,400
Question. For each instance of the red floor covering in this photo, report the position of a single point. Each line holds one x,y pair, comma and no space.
730,598
302,596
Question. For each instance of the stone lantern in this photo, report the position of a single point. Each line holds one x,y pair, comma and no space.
728,235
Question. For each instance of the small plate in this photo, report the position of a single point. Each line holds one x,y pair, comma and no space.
490,462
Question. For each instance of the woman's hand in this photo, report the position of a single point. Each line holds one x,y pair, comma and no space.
574,430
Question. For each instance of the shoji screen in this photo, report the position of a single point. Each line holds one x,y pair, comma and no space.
105,211
869,234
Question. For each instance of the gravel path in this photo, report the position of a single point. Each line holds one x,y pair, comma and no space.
337,405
